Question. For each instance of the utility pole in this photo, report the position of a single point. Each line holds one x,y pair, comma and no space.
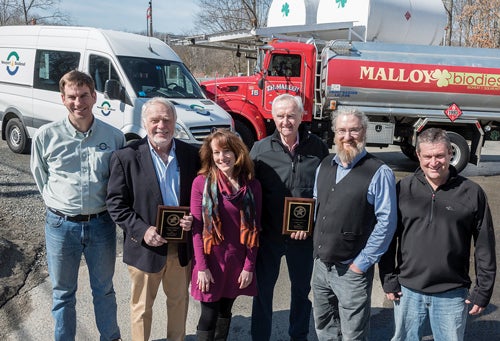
150,18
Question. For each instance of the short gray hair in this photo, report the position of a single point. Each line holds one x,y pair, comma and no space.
299,107
158,100
434,135
350,111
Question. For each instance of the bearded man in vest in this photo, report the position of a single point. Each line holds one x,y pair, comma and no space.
356,218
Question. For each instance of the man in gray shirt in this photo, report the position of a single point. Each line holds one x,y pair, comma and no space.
70,164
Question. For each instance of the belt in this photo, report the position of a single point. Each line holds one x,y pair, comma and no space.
77,218
330,265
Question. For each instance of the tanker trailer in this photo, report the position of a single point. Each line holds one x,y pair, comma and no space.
407,88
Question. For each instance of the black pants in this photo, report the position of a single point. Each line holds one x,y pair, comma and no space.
211,311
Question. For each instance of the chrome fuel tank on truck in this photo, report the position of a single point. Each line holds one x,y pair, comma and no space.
412,80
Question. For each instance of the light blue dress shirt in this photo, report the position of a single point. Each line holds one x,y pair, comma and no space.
168,175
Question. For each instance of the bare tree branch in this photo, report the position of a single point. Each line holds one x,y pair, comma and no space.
18,12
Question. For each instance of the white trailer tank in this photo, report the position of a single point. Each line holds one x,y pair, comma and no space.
390,21
292,12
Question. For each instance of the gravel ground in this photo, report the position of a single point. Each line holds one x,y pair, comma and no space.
22,258
22,248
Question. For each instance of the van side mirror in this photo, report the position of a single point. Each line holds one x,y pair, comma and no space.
112,89
204,89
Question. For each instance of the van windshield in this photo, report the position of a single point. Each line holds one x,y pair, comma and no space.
156,77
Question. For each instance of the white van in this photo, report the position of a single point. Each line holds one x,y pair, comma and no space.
127,69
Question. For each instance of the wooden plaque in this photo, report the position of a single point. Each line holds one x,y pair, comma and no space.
298,215
168,222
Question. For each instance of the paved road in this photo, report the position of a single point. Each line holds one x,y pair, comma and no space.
38,325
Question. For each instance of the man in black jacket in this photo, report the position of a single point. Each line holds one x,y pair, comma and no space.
285,164
157,170
425,272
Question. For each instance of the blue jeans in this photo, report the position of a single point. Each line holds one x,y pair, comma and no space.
66,241
299,259
340,292
446,312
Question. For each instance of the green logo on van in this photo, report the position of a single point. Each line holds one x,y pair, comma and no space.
105,108
199,109
13,63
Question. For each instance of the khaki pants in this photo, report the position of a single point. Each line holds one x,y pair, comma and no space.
175,280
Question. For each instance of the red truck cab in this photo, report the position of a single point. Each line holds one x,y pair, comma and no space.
283,67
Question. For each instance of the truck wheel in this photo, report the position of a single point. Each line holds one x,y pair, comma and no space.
409,151
461,151
245,132
17,139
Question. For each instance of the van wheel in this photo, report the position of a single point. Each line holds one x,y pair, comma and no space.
17,139
461,151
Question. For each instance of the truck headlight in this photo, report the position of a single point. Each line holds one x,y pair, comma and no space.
180,132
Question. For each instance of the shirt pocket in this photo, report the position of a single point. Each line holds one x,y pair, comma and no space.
99,162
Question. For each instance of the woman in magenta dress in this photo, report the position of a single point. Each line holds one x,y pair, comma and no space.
226,205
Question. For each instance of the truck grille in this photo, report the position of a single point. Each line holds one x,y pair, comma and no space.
200,133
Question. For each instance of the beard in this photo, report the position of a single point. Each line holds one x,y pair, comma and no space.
347,155
162,142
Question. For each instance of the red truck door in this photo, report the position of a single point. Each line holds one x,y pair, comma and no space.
285,74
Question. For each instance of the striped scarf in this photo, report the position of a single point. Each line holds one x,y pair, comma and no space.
212,224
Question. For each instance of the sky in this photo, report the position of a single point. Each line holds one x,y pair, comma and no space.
169,16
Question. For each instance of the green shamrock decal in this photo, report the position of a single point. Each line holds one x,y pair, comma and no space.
285,9
341,3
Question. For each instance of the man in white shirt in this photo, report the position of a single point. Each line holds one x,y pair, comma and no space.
70,164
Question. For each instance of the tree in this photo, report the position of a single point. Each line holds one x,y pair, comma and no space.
480,21
217,16
24,12
9,12
448,6
206,63
473,23
231,15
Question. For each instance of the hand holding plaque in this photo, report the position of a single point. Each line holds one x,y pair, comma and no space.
298,215
168,222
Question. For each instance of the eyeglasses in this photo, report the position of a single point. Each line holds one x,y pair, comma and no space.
353,132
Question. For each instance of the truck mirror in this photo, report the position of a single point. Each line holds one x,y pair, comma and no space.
260,83
112,89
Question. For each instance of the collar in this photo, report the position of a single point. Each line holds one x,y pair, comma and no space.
152,149
293,146
302,135
75,132
351,165
452,176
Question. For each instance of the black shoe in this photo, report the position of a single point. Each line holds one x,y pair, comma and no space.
222,328
205,335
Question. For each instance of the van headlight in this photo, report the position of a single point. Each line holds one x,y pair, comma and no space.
180,132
